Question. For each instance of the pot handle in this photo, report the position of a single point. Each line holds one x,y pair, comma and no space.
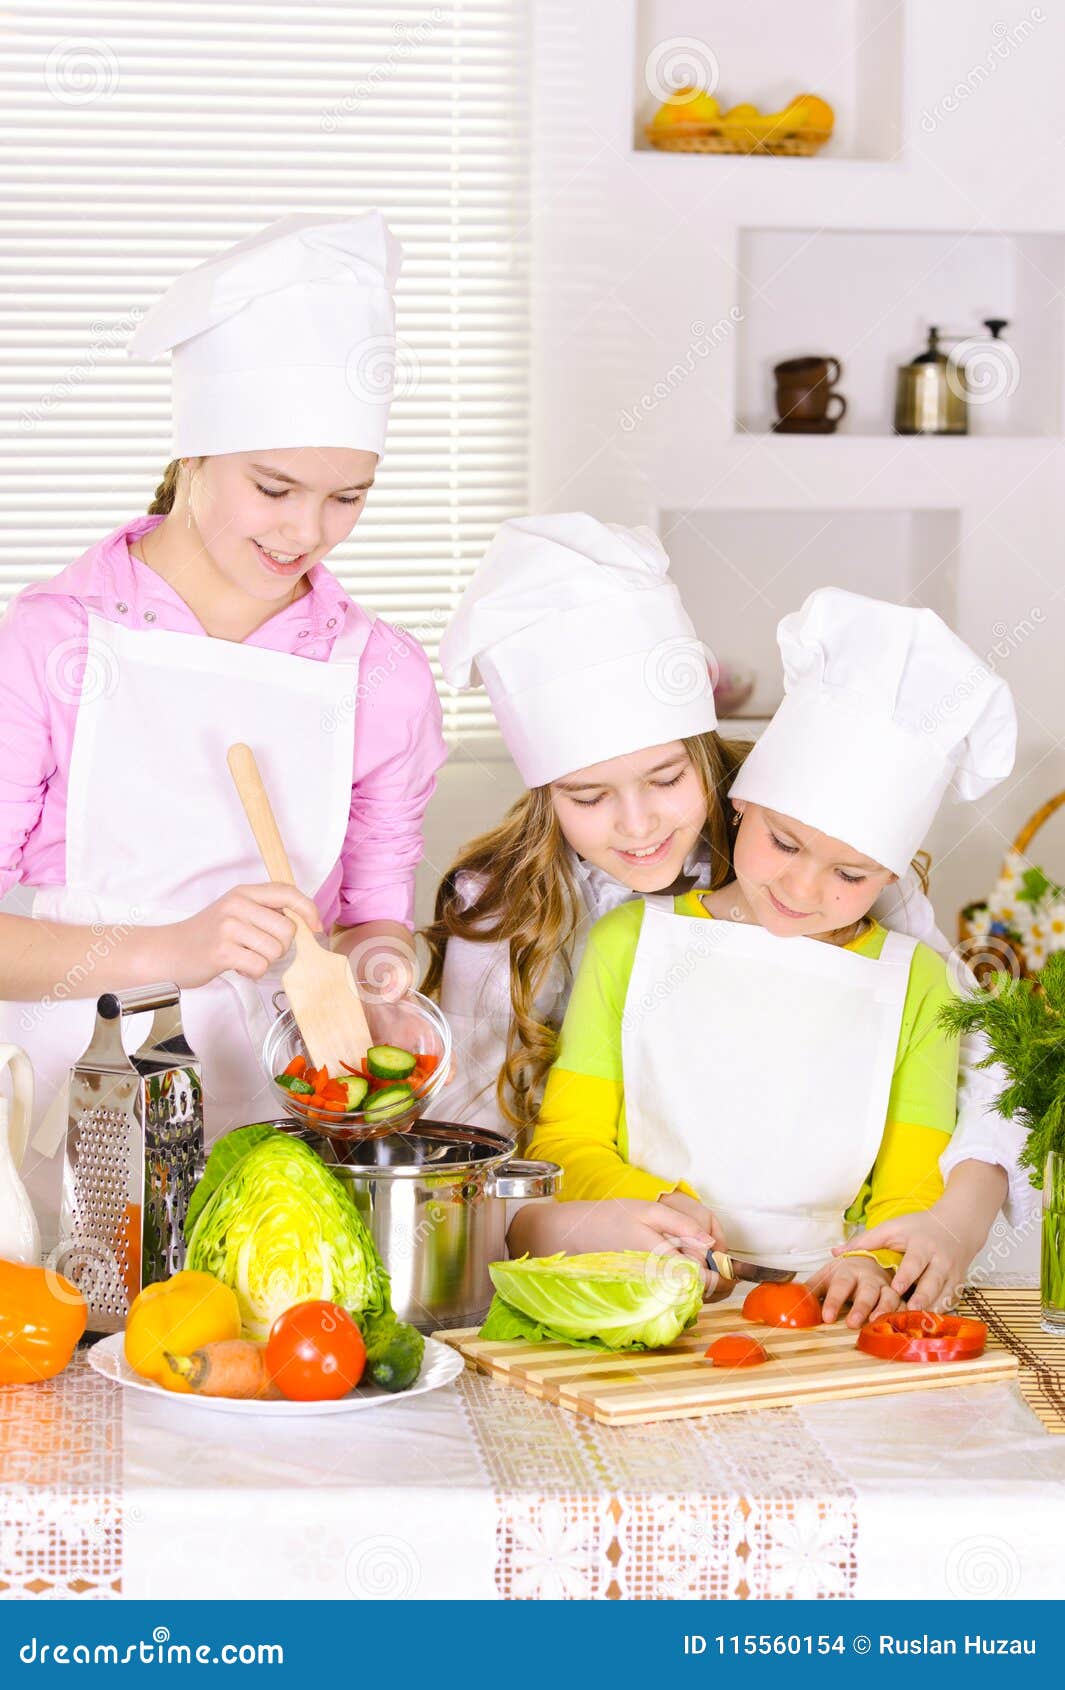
523,1180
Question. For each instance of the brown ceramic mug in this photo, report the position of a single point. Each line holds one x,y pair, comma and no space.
804,389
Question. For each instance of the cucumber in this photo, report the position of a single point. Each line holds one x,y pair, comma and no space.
356,1088
391,1100
394,1353
293,1083
390,1062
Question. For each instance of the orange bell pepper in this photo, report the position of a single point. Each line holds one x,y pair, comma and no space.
42,1316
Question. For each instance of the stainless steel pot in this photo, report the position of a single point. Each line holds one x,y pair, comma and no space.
435,1200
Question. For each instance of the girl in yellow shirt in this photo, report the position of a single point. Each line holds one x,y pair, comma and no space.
763,1060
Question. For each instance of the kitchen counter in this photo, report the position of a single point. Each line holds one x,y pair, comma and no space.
476,1490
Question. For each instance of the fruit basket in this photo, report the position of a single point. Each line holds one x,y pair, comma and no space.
688,123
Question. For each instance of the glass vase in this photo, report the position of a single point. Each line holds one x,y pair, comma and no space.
1052,1270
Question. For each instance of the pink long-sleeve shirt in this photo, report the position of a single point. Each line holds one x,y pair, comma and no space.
398,742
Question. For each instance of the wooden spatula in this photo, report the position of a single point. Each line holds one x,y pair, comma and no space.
319,983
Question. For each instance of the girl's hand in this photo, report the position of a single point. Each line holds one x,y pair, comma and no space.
245,930
936,1252
697,1212
677,1203
618,1223
382,959
857,1280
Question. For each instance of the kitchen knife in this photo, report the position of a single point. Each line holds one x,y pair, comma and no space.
729,1267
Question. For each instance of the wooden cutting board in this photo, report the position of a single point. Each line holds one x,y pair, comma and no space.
676,1384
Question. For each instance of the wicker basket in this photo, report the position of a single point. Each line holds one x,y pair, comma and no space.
723,138
991,952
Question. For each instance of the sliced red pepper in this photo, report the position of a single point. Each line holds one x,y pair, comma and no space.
297,1067
334,1092
919,1335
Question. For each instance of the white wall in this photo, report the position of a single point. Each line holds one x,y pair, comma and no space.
632,248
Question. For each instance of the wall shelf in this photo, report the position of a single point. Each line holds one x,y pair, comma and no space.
867,297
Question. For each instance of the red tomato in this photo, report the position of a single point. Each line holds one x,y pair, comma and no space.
315,1352
734,1350
918,1335
782,1305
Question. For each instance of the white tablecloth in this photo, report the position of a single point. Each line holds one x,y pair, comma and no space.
476,1490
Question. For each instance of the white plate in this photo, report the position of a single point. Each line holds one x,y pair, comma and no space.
440,1366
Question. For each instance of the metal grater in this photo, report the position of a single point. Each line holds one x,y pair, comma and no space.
134,1151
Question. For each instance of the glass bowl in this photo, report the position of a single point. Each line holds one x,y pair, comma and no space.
413,1023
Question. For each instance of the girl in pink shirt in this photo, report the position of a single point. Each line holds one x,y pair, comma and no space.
211,621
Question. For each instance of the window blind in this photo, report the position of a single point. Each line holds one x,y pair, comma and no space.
142,139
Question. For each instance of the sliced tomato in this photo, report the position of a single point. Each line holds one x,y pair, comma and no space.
297,1067
734,1350
315,1352
919,1335
782,1305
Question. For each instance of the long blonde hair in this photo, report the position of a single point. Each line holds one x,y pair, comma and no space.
527,898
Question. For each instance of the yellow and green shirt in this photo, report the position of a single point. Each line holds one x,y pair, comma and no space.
582,1119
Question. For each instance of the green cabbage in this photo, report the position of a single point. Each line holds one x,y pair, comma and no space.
281,1229
615,1300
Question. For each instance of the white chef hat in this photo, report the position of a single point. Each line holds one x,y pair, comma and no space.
884,710
580,637
286,339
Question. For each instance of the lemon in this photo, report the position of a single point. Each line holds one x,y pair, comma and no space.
687,105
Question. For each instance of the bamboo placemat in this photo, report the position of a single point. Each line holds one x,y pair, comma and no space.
1012,1317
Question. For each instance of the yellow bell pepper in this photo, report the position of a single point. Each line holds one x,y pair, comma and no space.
180,1314
42,1316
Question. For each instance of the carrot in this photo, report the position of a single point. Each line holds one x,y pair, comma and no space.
231,1367
297,1068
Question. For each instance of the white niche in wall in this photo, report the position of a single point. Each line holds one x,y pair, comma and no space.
867,298
765,52
740,571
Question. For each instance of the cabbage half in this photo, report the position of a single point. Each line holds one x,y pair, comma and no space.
281,1229
614,1300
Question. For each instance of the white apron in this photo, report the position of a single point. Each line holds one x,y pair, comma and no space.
758,1069
156,831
